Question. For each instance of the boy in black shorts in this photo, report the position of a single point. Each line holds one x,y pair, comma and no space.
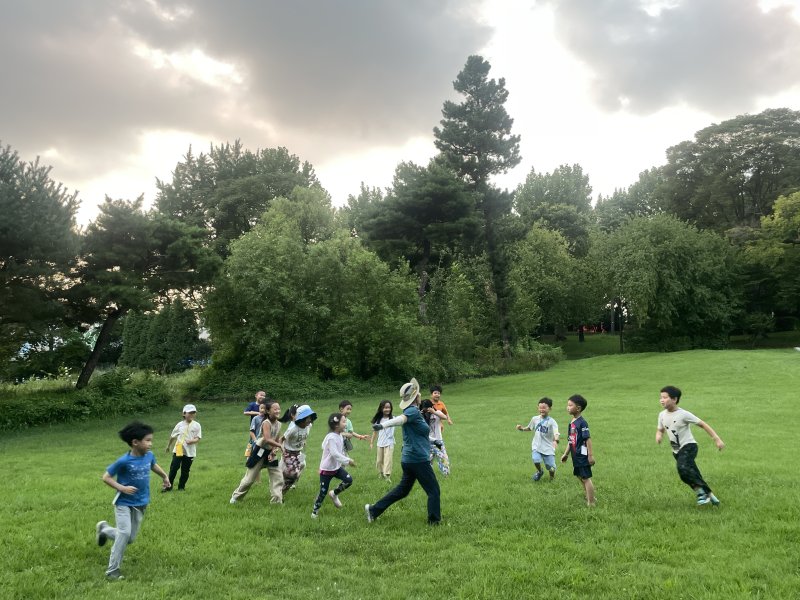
580,446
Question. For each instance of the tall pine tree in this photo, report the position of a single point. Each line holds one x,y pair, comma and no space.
475,139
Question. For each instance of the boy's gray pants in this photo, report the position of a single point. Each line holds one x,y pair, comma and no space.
128,519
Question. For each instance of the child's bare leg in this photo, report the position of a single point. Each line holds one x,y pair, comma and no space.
588,487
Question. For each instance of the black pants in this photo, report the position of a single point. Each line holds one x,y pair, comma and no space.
325,482
687,469
184,463
412,472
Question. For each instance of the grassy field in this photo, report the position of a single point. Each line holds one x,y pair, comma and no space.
502,536
596,344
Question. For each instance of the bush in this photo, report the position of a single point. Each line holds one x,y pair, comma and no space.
526,356
240,385
117,392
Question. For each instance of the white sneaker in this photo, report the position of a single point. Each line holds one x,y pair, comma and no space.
233,500
336,502
314,515
99,535
370,518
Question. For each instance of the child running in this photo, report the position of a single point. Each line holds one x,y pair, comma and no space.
294,440
332,464
385,440
183,444
545,440
132,472
676,421
264,455
433,418
580,446
345,408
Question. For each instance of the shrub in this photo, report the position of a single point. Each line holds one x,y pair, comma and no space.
117,392
239,385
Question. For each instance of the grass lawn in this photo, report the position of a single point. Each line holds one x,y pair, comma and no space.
503,536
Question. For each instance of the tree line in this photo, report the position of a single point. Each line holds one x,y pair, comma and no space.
442,273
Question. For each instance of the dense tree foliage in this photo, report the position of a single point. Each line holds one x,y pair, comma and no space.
328,305
560,201
226,190
679,284
475,139
131,259
38,241
642,199
732,172
166,341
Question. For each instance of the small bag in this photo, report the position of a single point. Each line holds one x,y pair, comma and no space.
256,454
179,449
348,445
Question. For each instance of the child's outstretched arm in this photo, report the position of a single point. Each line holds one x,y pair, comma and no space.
156,468
717,440
521,428
393,422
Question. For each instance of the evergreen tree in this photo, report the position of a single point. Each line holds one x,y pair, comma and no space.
475,140
38,240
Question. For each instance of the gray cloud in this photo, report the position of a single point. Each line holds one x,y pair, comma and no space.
330,76
715,55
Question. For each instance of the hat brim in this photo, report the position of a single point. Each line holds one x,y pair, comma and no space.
408,400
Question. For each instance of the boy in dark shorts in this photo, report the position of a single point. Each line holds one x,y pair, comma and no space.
580,446
676,421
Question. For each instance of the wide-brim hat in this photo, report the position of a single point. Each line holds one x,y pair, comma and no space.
408,393
303,412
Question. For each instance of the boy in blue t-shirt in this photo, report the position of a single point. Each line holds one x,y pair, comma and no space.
132,472
580,446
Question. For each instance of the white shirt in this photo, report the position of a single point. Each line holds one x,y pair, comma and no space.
295,437
435,425
333,456
546,433
187,431
676,424
385,435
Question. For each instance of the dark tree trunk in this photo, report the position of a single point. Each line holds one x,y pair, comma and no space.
102,340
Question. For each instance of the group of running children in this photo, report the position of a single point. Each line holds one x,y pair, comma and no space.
129,475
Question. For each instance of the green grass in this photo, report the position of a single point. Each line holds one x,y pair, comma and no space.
502,535
594,344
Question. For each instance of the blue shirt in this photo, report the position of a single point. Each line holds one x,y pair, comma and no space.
416,446
252,407
135,471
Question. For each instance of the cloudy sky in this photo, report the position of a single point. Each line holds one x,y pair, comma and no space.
112,93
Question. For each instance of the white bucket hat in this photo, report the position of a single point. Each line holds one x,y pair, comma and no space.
408,393
303,412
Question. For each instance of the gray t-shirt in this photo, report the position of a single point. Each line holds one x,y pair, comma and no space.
676,424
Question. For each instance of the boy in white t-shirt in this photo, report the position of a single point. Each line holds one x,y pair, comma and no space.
545,440
183,444
676,422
